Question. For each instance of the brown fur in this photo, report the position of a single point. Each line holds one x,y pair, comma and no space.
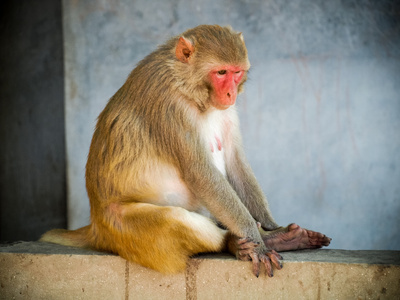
151,126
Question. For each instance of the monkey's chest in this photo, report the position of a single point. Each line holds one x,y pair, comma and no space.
212,134
217,152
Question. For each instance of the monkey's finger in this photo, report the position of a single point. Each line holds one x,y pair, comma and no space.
256,264
326,240
319,237
244,249
267,263
274,259
246,245
242,241
277,254
243,252
249,246
243,256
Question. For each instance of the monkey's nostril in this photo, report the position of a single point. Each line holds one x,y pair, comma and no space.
228,95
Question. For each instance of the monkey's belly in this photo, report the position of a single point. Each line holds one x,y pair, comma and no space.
172,191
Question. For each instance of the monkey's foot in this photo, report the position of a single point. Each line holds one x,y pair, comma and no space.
246,250
293,237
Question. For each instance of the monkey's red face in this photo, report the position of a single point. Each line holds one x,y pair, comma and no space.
225,81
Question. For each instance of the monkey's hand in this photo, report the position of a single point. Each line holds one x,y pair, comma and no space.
268,258
246,249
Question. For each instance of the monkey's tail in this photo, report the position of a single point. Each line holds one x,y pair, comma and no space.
76,238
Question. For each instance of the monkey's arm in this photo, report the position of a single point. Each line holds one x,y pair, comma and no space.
242,179
218,196
212,189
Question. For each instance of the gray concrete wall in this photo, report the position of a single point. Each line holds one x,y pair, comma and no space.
32,146
320,114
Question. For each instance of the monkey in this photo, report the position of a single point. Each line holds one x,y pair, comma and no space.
166,174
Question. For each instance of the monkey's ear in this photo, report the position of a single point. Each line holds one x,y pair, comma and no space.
241,36
184,50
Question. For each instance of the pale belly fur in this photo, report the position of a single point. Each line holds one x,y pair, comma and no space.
172,191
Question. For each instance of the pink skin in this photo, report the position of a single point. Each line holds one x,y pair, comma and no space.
225,80
219,144
294,237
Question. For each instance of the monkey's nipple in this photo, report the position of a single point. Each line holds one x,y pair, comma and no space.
219,144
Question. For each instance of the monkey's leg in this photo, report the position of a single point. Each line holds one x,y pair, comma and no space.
293,237
161,238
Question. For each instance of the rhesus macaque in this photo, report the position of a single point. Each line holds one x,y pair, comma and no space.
166,174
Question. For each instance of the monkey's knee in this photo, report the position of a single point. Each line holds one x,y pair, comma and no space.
202,231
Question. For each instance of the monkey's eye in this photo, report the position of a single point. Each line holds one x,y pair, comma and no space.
222,72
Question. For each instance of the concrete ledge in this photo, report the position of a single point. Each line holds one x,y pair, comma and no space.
33,270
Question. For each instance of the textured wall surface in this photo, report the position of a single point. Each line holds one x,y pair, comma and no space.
33,270
32,145
320,115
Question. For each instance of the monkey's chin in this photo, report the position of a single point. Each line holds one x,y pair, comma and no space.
221,106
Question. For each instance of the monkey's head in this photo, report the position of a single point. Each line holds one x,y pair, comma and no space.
214,58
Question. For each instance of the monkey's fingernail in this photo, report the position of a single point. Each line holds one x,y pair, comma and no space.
257,273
